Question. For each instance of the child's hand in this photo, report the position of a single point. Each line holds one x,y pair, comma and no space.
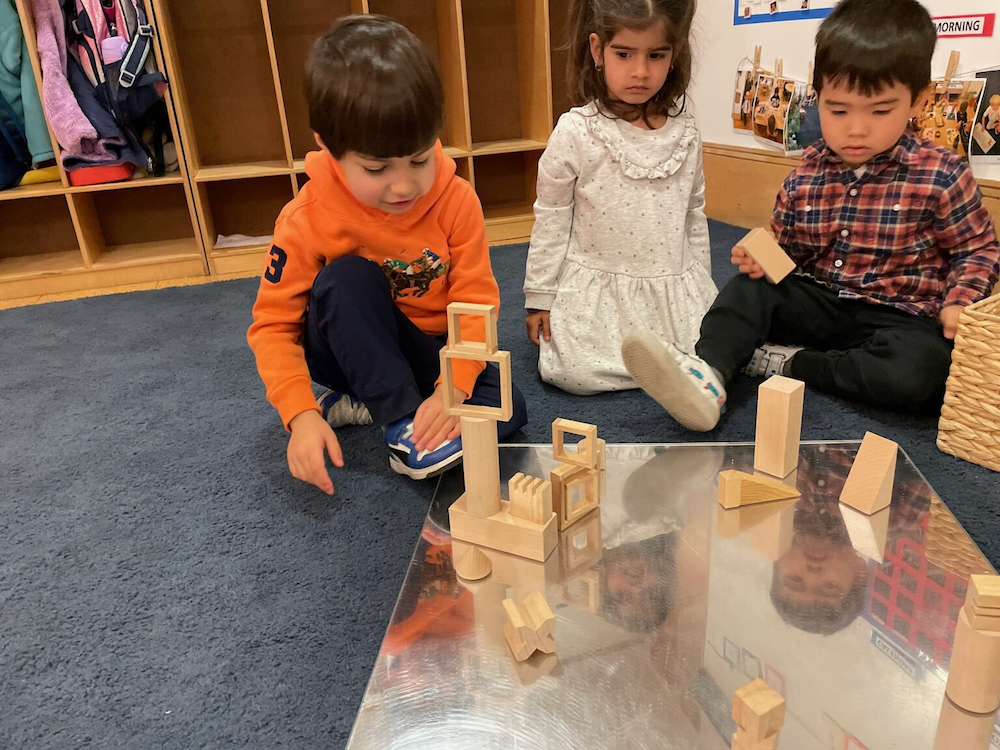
432,425
311,435
747,264
538,323
949,316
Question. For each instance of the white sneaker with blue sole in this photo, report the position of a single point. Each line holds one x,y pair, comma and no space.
405,459
341,409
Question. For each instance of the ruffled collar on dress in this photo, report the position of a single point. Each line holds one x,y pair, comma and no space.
660,155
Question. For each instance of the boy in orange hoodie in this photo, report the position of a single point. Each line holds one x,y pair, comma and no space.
366,259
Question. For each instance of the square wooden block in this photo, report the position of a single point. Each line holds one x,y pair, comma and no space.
501,413
488,313
586,455
758,709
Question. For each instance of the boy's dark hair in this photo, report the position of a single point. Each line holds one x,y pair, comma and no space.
372,89
870,45
813,618
606,18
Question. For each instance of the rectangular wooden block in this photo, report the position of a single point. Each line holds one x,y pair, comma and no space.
586,454
985,591
869,485
488,313
743,741
779,425
768,254
737,488
504,532
758,709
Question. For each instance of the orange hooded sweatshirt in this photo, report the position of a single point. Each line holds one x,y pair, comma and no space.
438,245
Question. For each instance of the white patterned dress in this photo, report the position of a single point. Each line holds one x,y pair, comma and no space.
620,242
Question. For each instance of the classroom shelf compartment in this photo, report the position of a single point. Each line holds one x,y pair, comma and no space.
559,24
223,81
295,25
506,186
142,227
509,76
37,239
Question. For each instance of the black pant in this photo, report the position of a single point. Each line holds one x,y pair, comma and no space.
854,349
359,342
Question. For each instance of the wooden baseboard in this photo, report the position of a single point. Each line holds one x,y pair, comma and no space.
741,184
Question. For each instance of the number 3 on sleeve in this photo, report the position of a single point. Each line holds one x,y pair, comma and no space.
278,259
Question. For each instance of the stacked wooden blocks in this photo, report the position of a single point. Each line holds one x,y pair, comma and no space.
974,672
759,713
576,482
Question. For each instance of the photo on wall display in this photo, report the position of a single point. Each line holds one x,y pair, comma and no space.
948,118
802,121
742,109
984,144
773,95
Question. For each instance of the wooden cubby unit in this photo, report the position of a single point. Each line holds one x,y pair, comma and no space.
506,186
507,57
37,241
559,23
248,207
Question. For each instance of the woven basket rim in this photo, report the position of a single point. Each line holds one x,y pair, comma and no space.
988,309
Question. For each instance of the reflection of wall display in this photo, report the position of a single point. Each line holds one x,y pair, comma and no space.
985,143
771,100
751,665
742,108
731,653
755,11
947,120
802,121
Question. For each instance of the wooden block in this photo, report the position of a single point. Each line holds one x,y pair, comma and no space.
768,254
731,522
581,546
488,314
868,533
984,590
987,621
566,480
529,626
586,453
758,709
530,498
473,565
481,466
501,413
869,485
737,488
772,538
974,672
513,571
959,729
504,532
602,454
538,665
743,741
779,425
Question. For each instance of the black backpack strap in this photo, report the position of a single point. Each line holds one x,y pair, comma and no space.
138,49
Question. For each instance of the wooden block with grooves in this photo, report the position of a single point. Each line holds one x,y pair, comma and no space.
758,709
503,531
737,488
984,590
988,621
768,254
779,425
869,485
529,626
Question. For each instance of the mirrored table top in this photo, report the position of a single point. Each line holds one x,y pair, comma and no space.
665,604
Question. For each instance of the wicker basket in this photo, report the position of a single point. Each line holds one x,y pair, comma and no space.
970,418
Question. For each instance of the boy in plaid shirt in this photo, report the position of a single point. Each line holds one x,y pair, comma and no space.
889,234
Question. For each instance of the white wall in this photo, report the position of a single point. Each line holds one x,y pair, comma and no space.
719,47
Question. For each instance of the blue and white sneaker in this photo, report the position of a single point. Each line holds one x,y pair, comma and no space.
770,359
404,458
685,385
340,409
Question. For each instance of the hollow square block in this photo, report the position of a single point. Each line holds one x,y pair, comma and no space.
779,425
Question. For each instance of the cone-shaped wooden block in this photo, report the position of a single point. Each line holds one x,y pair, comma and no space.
473,565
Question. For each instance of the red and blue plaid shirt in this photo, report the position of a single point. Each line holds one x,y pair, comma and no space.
910,232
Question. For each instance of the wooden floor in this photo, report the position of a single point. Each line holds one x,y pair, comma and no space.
64,296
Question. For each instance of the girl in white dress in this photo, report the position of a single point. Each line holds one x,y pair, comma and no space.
620,239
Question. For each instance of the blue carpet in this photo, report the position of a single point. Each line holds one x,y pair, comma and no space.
164,583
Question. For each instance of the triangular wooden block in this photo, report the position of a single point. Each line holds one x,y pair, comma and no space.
868,533
473,565
738,488
869,485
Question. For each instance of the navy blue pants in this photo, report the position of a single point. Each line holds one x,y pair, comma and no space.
359,342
